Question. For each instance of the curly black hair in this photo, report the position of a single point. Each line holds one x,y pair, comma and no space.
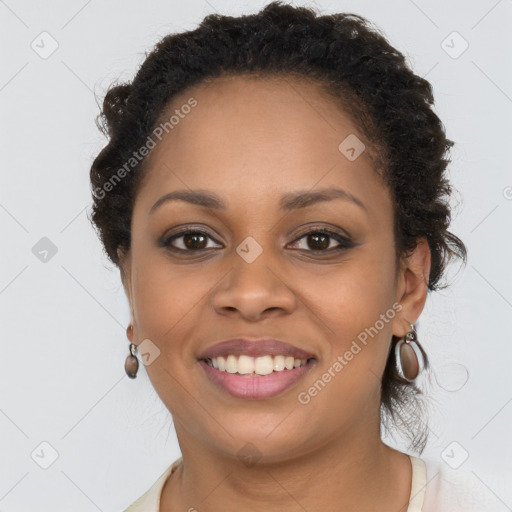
351,61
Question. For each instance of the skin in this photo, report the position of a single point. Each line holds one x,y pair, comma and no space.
250,141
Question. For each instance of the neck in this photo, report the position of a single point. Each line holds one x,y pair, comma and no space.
348,473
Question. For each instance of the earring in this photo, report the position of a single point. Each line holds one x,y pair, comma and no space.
131,365
409,356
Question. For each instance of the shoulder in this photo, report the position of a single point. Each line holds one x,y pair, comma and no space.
458,490
150,500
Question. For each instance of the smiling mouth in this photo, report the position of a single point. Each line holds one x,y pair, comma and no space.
256,366
263,382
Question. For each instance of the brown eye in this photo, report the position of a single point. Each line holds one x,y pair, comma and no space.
194,241
320,240
188,241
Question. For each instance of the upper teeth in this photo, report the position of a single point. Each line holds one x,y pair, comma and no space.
263,365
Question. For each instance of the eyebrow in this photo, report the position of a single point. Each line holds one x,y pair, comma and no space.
288,202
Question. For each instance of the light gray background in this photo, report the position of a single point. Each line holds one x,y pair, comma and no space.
63,322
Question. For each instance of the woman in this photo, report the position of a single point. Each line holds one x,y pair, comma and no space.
274,195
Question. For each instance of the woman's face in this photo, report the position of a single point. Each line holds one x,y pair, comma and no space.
252,270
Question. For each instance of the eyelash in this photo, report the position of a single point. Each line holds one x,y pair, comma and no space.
345,243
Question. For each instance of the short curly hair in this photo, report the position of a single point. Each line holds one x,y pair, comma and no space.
351,61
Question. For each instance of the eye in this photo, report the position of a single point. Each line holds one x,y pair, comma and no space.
320,240
317,240
188,240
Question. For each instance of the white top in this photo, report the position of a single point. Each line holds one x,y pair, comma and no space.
435,488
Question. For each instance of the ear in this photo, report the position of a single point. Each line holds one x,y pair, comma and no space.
412,287
125,272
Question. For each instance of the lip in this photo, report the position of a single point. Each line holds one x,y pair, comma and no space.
255,348
253,386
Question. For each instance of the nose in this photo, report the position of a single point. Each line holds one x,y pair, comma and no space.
254,291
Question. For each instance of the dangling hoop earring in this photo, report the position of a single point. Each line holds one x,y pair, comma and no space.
131,364
409,358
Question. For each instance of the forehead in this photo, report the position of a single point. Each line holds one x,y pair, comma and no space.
247,136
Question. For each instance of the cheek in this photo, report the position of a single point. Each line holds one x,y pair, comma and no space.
162,293
359,331
353,294
355,306
160,303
